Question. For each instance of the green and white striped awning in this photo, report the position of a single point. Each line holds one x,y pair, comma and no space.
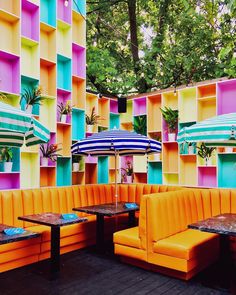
16,126
217,131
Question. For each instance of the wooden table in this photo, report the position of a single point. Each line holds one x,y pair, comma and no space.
108,209
55,221
5,239
225,225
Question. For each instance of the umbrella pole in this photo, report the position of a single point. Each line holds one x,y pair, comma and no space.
116,188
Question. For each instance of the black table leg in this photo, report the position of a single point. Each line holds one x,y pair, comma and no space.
132,221
100,233
55,252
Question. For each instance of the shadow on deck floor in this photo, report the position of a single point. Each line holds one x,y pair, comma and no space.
85,272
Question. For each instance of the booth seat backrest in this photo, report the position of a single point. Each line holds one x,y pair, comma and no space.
16,203
171,212
143,192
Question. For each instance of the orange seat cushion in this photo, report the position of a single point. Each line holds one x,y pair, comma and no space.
128,237
186,245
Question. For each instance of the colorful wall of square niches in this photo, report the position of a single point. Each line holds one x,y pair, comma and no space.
45,44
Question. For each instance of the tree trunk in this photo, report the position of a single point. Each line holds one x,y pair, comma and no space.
141,82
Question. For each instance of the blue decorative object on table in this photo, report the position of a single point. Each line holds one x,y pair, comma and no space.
69,216
131,205
13,231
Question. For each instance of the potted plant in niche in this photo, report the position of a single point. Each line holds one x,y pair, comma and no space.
49,151
92,120
128,172
205,153
31,96
64,110
171,118
6,155
77,163
140,124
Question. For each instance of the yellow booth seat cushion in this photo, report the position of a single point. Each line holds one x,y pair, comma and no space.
187,244
128,237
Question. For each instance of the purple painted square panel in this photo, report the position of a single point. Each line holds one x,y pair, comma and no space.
9,73
114,106
30,20
226,97
52,140
63,96
207,176
9,180
140,106
63,11
79,60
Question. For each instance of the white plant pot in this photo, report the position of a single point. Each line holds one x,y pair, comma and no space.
75,167
191,150
157,157
63,118
29,109
44,162
171,136
129,179
208,161
7,166
90,128
228,149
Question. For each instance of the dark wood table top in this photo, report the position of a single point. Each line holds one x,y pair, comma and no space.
107,209
50,219
4,239
221,224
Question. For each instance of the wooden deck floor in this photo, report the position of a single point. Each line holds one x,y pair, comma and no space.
85,272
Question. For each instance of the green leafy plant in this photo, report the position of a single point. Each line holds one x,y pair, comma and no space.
171,118
64,109
93,118
50,151
32,96
6,154
204,151
140,124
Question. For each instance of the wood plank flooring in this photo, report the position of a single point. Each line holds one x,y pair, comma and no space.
85,272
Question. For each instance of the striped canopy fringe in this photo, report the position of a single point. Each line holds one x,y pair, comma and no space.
109,143
217,131
17,126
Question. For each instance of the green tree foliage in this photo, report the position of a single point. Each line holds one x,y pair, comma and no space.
142,45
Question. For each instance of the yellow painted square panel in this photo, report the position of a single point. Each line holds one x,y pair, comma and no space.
78,29
206,109
187,105
103,111
64,139
154,113
48,113
128,116
9,34
47,42
188,170
64,45
30,61
170,157
78,93
48,78
11,6
29,169
170,99
171,179
140,164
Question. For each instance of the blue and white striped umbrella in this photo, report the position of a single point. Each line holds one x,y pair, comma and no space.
112,142
217,131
